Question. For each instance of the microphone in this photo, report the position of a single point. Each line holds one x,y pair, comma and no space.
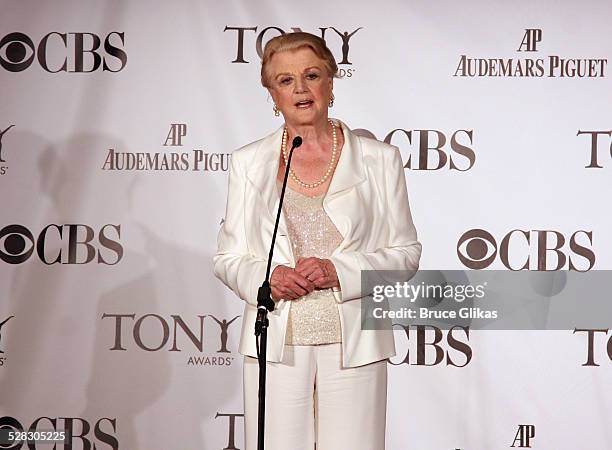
265,304
264,294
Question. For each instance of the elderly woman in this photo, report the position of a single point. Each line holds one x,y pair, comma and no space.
345,210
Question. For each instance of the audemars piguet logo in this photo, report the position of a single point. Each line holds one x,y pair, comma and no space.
525,433
519,66
176,160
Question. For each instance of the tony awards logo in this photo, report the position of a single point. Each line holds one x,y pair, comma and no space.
2,160
153,332
2,357
595,147
338,42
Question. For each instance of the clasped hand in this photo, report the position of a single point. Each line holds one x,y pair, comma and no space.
309,274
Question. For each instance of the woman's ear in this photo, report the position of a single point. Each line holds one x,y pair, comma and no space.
271,93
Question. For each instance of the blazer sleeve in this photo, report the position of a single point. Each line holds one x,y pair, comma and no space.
242,272
403,250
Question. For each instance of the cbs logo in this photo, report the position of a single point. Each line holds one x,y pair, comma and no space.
527,250
429,149
450,347
60,244
75,429
64,52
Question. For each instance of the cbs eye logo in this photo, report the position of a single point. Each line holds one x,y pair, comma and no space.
15,48
62,244
477,249
17,239
527,250
64,52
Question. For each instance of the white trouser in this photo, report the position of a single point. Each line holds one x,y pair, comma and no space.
311,398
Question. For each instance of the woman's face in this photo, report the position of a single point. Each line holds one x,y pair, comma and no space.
300,86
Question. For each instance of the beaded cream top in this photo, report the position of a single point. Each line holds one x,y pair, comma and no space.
313,318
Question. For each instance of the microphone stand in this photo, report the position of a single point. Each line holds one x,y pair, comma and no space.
265,304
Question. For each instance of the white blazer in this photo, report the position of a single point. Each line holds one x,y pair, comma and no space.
367,201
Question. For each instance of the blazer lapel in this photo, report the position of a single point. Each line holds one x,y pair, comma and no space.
263,172
349,173
349,170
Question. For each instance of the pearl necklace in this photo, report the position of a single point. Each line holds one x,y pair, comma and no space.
331,161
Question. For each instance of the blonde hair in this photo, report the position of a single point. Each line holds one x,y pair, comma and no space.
295,41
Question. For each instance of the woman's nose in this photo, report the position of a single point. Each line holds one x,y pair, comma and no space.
300,85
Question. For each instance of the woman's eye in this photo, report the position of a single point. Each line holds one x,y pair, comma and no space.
285,81
312,76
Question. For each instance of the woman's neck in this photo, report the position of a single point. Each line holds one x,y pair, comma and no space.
311,134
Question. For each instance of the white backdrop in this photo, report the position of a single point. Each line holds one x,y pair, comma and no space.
97,341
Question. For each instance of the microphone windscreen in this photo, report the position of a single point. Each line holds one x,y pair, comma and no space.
297,141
